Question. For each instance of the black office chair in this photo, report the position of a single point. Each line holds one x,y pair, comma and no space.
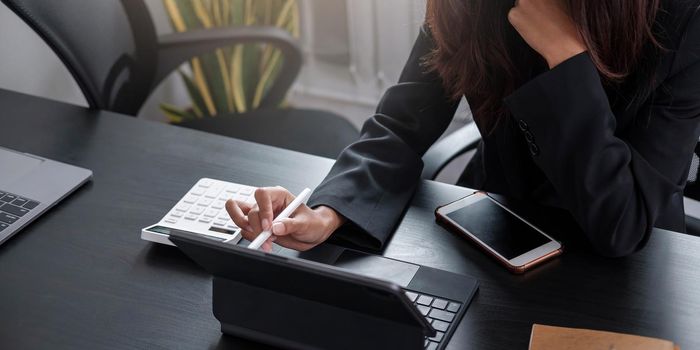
113,52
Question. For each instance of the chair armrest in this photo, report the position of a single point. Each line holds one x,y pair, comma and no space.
176,49
692,207
446,150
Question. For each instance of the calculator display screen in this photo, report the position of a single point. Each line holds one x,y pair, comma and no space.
159,229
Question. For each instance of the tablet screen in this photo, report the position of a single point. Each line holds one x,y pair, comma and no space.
498,228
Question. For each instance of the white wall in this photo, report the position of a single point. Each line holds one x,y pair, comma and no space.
352,58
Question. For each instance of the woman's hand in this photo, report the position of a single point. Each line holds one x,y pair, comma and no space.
303,230
547,27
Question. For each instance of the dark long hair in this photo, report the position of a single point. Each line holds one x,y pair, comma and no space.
480,55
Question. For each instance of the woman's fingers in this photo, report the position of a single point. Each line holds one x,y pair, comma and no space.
305,229
254,220
297,224
264,200
238,212
301,232
291,243
266,247
248,235
271,201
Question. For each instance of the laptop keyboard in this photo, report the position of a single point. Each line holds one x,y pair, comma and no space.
13,207
439,312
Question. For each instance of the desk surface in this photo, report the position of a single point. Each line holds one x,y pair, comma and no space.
80,277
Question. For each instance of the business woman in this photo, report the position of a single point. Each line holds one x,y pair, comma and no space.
589,106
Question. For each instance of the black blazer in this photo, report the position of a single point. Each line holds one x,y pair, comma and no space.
618,169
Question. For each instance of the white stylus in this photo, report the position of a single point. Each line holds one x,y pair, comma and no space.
265,235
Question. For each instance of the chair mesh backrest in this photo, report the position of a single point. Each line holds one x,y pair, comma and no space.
109,46
692,188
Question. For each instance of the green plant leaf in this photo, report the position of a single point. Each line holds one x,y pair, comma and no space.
198,105
251,70
215,81
176,114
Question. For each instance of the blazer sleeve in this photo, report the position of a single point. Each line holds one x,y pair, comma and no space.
614,184
373,179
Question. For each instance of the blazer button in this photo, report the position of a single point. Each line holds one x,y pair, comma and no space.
529,137
534,150
523,125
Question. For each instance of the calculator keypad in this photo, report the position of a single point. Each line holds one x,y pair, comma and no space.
203,207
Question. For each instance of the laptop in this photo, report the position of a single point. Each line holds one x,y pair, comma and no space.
30,185
350,300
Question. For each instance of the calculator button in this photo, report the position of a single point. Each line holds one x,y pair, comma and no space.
171,220
232,227
232,189
183,207
246,191
224,216
440,326
228,193
198,191
412,296
440,304
425,300
204,202
221,224
206,183
197,211
432,346
213,192
242,198
219,204
176,214
191,217
205,220
3,226
442,315
190,199
211,213
453,307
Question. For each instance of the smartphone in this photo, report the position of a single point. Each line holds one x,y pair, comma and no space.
514,242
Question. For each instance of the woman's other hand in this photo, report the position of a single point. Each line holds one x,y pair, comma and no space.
303,230
547,27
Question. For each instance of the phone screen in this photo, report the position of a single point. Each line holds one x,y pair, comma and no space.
498,228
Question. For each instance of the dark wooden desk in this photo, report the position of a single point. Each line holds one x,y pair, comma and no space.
81,278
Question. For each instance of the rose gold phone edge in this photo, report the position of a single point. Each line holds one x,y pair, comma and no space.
453,227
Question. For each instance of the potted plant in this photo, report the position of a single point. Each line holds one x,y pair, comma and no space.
231,80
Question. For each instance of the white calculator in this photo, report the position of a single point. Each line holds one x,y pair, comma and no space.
201,211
